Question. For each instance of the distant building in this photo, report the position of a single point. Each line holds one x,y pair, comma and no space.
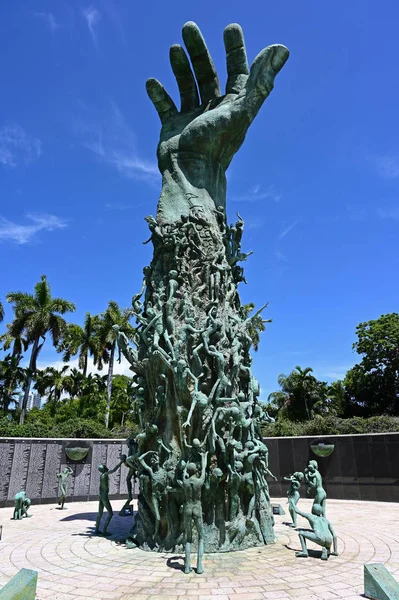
37,401
34,401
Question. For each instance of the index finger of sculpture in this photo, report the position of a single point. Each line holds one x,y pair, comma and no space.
236,58
204,68
184,77
162,101
261,76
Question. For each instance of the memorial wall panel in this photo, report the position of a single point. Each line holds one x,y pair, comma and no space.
81,477
99,457
361,467
114,452
35,477
52,466
364,467
33,464
6,460
19,469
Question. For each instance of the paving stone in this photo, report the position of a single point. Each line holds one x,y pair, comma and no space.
73,565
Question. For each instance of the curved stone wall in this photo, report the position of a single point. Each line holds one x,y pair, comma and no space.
361,467
32,465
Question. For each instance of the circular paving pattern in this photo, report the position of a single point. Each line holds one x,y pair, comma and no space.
73,564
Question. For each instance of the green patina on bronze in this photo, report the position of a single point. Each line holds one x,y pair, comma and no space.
21,587
201,462
104,501
314,483
63,485
21,506
379,583
76,453
322,533
322,449
293,494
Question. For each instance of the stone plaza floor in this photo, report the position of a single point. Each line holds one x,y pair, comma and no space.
73,564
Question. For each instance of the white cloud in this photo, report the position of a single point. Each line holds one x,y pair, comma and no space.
388,166
121,368
332,372
122,206
49,19
92,17
254,222
117,206
281,259
126,162
286,230
112,140
16,147
256,193
22,234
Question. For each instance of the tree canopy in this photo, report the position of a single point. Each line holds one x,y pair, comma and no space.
373,384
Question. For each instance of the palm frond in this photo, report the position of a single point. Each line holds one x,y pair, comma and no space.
61,306
42,292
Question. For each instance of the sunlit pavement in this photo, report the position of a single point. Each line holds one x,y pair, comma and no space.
73,564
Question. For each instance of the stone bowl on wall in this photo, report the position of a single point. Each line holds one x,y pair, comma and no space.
76,453
322,448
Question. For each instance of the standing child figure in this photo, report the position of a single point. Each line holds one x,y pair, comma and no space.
293,494
104,496
192,511
63,485
314,481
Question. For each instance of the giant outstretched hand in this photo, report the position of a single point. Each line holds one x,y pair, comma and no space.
198,143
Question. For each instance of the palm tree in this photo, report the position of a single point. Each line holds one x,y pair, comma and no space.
18,343
305,383
299,389
1,312
107,336
321,404
80,340
11,376
122,399
74,382
52,382
36,315
338,398
255,324
93,385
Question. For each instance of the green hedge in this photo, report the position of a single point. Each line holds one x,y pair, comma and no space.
85,428
332,426
72,428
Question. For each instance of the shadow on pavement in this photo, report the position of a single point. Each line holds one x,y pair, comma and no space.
92,516
172,563
312,553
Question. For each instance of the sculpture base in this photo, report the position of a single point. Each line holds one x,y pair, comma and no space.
232,536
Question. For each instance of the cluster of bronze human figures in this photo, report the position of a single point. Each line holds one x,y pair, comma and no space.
322,532
22,502
196,398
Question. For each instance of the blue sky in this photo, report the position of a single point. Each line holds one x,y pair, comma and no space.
316,181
